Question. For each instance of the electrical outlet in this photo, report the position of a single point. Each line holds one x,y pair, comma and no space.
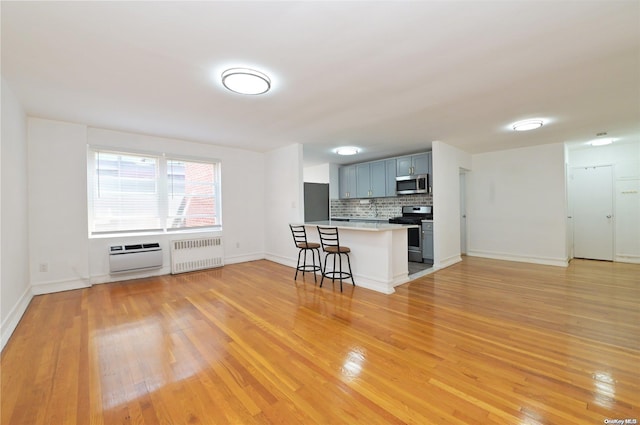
237,244
43,267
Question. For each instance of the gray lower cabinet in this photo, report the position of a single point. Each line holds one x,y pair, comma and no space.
427,241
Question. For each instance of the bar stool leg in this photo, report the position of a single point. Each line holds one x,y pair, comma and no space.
350,272
340,255
298,265
313,260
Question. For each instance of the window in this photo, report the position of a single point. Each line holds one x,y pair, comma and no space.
137,193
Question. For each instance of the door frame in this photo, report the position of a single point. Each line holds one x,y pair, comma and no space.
571,205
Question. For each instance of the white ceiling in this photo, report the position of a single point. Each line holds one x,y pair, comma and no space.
389,77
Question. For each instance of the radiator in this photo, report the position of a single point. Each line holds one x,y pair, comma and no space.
127,258
196,254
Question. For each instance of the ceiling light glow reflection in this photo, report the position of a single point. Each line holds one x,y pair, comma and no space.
353,362
605,389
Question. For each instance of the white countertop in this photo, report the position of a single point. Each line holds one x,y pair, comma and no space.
380,226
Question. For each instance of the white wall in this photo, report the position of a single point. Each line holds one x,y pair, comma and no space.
57,206
58,193
284,202
517,205
317,174
625,160
15,291
447,162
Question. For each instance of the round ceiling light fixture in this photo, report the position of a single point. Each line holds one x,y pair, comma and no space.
347,150
246,81
527,125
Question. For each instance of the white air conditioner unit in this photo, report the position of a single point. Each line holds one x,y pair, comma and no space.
134,257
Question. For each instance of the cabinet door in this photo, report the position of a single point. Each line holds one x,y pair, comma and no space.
390,165
363,181
420,163
378,178
427,241
430,168
347,183
403,166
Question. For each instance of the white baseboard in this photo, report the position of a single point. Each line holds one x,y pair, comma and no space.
285,261
13,318
627,258
244,258
60,285
119,277
450,261
548,261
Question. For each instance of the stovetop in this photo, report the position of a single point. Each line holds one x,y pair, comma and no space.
413,215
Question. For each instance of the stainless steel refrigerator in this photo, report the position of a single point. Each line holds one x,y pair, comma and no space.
316,202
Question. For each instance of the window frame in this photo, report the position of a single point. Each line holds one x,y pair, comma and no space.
162,180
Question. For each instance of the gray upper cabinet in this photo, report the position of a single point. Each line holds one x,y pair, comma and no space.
390,165
363,180
347,182
377,179
413,164
421,163
371,180
403,166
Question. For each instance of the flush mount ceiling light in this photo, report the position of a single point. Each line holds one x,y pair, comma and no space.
347,150
602,142
527,125
246,81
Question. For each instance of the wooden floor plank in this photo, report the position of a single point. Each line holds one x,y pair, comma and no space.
481,342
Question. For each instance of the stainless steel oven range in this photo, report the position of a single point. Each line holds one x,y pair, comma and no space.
414,215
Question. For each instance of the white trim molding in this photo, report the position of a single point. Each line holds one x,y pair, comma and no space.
10,323
548,261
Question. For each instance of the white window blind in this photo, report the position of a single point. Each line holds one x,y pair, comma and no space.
133,193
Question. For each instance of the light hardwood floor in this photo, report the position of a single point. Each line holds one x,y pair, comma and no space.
481,342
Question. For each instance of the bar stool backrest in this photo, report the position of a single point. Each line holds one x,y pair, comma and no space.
299,236
328,237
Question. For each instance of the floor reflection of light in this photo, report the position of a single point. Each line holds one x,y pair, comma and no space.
132,359
353,362
605,389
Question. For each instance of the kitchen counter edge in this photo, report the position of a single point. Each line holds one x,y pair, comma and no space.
370,227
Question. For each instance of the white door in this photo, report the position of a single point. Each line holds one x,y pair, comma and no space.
463,214
591,194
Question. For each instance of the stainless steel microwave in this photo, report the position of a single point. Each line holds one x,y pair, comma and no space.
409,185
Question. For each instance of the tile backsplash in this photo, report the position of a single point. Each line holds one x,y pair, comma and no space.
377,207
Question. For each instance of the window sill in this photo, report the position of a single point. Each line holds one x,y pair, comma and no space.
157,233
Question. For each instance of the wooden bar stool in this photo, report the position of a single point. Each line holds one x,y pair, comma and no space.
330,241
300,239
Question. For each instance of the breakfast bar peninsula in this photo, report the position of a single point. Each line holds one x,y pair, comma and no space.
378,251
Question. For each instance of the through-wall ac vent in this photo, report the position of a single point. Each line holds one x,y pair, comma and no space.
140,256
